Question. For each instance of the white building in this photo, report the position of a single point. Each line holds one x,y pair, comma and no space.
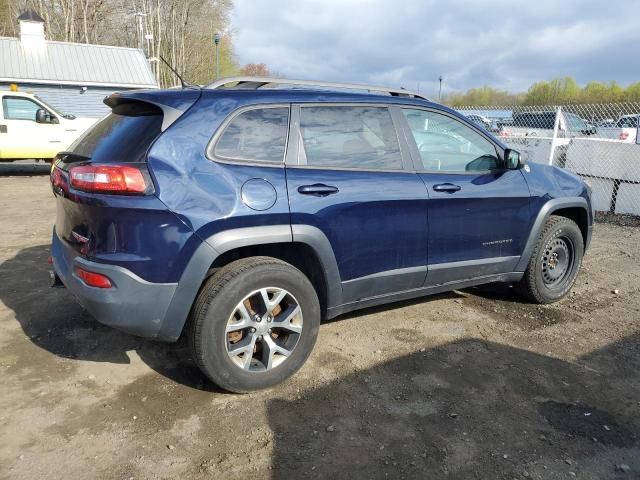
72,77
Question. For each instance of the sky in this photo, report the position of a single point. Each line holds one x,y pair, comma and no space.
410,43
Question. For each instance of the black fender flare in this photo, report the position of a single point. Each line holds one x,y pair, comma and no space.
543,215
198,266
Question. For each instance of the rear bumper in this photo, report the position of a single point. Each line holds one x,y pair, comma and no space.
132,305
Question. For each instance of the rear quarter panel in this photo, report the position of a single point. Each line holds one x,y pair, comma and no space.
203,193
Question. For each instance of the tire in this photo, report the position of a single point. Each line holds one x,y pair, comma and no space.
541,282
233,298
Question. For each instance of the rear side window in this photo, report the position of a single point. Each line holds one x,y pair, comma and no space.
255,135
124,135
350,137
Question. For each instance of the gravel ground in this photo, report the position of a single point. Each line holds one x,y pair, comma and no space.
470,384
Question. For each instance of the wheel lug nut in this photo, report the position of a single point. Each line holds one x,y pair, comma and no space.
252,330
269,331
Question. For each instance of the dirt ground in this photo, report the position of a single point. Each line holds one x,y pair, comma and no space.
472,384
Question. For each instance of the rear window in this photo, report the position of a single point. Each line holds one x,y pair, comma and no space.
124,135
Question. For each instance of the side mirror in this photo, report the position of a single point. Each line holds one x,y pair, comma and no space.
512,159
41,116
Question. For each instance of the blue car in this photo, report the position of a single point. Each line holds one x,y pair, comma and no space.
242,216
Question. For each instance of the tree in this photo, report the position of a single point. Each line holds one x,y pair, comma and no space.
5,18
482,96
181,31
632,93
558,91
255,70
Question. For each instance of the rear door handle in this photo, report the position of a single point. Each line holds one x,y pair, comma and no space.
3,129
447,187
317,189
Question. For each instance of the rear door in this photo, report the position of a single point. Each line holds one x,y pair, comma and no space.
349,176
478,211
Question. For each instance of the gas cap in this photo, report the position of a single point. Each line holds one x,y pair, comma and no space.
258,194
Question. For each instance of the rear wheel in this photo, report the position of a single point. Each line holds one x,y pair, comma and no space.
555,261
254,324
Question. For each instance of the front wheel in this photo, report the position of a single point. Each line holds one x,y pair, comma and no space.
555,261
254,324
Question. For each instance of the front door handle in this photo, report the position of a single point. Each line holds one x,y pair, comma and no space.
317,189
447,187
3,129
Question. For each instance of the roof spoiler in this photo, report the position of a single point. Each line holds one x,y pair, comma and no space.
173,103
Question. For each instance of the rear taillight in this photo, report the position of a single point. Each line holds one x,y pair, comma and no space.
58,180
93,279
109,179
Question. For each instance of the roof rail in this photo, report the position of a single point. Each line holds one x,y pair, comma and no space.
254,83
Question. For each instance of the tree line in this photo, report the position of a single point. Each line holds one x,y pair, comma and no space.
559,91
180,31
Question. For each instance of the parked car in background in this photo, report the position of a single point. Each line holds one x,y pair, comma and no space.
541,124
31,129
241,217
628,125
481,121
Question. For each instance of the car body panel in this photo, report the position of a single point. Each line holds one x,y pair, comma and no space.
384,235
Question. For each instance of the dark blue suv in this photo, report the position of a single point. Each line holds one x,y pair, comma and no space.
241,216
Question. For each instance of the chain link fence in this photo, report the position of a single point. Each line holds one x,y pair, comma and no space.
599,142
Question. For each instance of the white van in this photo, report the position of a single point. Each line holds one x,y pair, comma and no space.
31,129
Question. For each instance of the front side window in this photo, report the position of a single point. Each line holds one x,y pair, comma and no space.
255,135
576,124
447,144
359,137
18,108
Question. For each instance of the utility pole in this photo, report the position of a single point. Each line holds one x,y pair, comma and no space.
138,16
440,89
216,40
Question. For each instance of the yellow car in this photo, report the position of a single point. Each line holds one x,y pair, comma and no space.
31,129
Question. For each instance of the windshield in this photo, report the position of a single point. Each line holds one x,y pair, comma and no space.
628,122
49,107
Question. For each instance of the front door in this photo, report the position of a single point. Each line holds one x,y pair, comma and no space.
478,211
348,179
